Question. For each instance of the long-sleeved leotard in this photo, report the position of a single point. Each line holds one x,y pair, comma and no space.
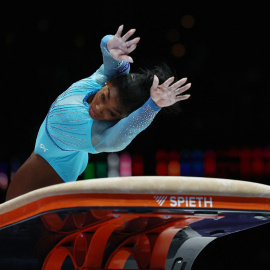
68,133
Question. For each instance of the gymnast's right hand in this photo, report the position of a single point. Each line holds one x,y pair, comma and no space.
119,47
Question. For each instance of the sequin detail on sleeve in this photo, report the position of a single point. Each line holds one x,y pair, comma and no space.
68,123
67,126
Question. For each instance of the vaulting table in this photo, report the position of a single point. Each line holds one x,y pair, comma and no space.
146,222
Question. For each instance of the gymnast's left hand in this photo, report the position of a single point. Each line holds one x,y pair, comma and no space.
167,94
120,48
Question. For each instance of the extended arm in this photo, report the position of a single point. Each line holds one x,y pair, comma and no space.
121,134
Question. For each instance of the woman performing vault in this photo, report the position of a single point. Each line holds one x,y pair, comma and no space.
102,113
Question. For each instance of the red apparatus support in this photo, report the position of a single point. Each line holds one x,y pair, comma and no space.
111,239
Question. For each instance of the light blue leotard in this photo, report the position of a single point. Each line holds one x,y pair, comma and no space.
68,133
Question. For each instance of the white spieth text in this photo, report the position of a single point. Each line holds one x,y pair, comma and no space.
191,201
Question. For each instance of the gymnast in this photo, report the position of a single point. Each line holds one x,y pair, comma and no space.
101,113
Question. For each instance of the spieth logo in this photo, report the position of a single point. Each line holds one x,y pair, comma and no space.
187,201
160,199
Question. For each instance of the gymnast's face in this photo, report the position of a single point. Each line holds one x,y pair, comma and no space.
105,104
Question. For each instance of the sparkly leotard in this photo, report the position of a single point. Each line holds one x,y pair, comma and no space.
68,133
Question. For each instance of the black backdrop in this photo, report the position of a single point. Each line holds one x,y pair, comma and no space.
47,47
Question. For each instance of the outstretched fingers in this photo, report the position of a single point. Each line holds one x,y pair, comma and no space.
131,45
178,88
182,89
183,97
178,83
168,93
168,82
119,31
128,34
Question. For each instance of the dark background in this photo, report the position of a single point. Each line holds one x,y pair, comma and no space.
46,46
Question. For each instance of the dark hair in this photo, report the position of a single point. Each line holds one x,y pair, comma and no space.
134,88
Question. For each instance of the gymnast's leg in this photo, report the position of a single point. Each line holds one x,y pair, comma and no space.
35,173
